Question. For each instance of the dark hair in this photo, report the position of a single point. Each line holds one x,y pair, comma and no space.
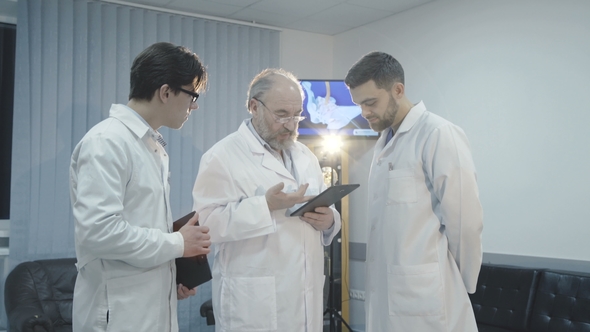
165,63
380,67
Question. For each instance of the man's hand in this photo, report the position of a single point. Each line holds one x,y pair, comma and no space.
321,219
184,292
196,239
277,200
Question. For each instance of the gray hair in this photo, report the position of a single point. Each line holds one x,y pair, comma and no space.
264,81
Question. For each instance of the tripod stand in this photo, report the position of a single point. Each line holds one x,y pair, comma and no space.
331,309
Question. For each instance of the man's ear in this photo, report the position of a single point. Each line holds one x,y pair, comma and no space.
163,93
253,106
397,90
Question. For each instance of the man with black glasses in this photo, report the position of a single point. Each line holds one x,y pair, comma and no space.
268,267
120,196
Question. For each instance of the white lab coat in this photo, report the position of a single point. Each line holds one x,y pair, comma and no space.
425,221
124,246
268,272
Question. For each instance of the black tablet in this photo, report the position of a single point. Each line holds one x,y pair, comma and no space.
326,198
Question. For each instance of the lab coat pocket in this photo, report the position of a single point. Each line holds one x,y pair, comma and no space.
414,290
249,304
402,186
123,295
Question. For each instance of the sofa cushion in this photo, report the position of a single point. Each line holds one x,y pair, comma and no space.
504,297
562,303
61,276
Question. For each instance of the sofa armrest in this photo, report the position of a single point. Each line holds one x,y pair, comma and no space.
29,319
21,300
207,312
38,294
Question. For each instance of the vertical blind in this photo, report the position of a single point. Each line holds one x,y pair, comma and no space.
72,62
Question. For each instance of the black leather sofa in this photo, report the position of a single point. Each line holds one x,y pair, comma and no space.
510,298
38,296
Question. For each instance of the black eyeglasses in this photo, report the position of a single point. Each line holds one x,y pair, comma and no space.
192,93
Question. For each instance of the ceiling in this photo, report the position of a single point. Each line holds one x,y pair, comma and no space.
328,17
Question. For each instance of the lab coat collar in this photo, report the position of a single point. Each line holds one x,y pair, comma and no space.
407,123
251,140
300,160
130,119
412,117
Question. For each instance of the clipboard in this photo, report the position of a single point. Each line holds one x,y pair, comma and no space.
191,271
325,198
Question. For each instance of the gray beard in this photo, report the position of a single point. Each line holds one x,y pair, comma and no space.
271,138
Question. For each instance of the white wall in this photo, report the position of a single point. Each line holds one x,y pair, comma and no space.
515,76
8,11
307,55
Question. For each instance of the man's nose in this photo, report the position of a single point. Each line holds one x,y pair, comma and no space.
291,124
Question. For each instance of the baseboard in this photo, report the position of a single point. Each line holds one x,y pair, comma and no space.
538,262
358,252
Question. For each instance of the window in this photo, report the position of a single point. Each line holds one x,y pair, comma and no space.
7,62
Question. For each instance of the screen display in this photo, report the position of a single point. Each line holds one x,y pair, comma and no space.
329,110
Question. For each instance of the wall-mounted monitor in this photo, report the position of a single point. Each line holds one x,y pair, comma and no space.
329,110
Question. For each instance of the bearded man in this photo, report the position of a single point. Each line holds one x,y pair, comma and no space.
268,270
424,217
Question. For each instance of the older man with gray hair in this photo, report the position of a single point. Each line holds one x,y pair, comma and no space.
268,266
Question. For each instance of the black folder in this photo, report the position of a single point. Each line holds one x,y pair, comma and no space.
191,271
